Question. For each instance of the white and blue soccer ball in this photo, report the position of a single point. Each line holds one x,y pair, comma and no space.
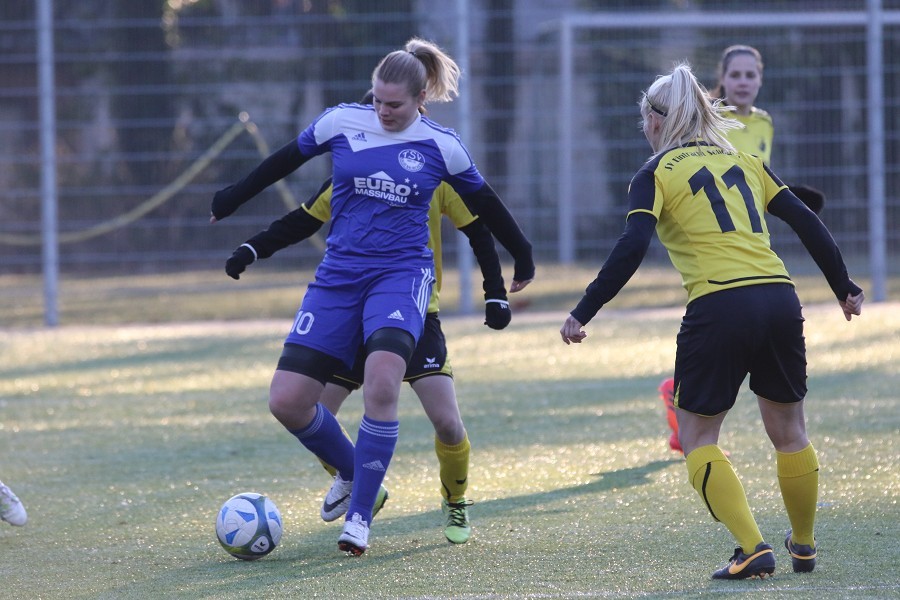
249,526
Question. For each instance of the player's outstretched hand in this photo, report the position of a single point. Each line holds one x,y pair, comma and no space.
497,314
518,285
237,263
852,305
571,331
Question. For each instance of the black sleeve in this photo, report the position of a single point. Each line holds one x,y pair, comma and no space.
275,167
817,240
293,227
486,254
622,262
290,229
813,199
487,204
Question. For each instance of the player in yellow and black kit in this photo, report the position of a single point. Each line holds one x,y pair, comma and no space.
707,203
740,80
429,371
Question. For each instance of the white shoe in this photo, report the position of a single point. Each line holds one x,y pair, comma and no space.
11,509
355,538
337,500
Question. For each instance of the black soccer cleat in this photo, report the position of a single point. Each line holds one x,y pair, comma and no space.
803,557
761,563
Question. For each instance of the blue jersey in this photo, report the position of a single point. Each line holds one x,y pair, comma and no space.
383,182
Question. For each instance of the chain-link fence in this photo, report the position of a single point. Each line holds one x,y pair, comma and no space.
148,98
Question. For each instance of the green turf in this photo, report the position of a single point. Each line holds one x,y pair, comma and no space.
265,292
124,439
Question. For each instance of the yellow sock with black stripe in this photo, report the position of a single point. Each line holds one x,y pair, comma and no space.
331,470
798,477
711,474
454,468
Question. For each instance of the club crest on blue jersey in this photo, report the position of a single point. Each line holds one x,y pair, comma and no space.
411,160
382,186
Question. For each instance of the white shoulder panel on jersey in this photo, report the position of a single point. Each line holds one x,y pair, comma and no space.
360,125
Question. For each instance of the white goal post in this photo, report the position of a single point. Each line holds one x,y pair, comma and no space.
873,18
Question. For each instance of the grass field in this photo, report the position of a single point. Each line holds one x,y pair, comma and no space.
124,429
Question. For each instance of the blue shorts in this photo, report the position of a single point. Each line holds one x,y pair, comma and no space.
344,305
429,358
755,330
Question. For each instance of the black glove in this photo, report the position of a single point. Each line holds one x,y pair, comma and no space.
497,314
224,203
239,260
810,196
523,270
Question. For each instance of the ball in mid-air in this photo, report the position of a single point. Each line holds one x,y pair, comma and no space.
249,526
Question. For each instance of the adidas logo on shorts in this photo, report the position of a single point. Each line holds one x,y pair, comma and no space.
396,315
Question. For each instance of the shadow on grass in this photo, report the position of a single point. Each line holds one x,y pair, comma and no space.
604,482
315,556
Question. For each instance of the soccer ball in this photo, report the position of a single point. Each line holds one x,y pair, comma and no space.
249,526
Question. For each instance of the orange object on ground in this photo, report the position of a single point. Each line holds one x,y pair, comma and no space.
667,395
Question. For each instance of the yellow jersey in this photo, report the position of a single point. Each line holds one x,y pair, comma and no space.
710,209
756,136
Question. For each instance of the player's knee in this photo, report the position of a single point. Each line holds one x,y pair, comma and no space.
448,430
279,404
292,399
284,397
392,339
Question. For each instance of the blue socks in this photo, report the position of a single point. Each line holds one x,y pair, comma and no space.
325,438
365,466
374,448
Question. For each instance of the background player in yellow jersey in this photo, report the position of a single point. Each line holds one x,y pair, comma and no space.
740,77
740,80
429,372
707,203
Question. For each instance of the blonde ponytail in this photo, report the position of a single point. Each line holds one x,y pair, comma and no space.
689,114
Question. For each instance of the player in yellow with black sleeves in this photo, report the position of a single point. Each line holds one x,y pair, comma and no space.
740,80
740,77
707,203
429,372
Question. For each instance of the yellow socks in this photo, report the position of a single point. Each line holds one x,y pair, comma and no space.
711,474
454,468
331,470
798,477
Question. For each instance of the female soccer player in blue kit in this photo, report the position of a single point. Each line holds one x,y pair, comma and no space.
374,283
429,371
707,202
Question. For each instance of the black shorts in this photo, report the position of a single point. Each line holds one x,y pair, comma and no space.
429,358
756,329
